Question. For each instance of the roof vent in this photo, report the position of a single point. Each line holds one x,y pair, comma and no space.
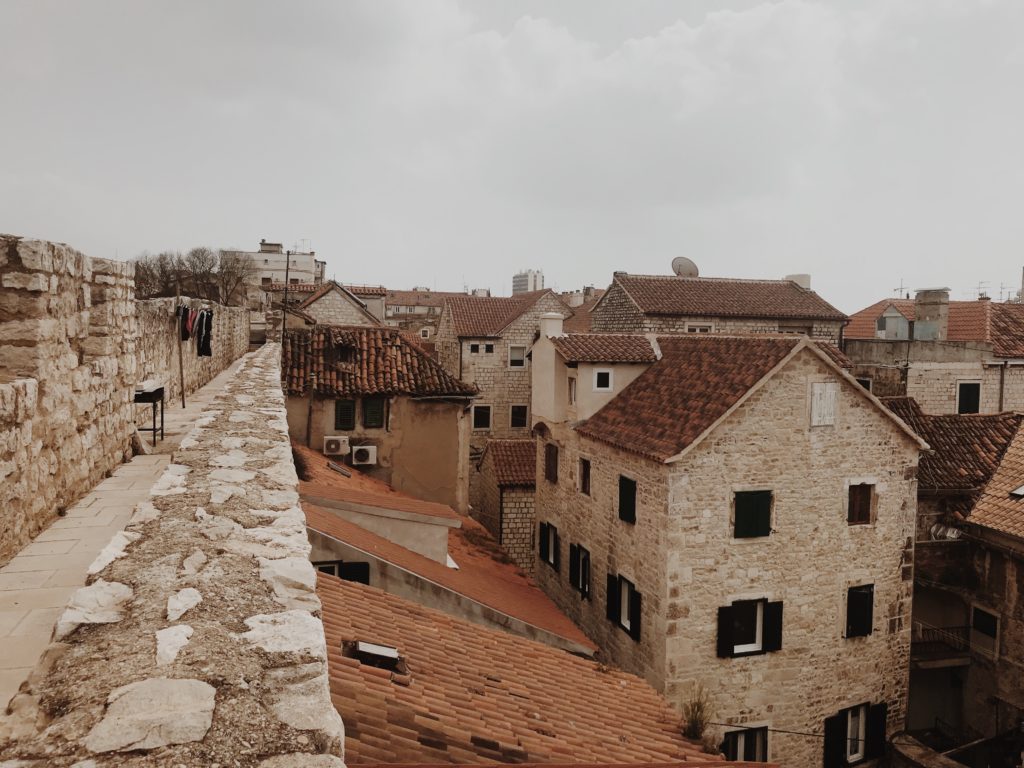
1018,492
374,655
684,267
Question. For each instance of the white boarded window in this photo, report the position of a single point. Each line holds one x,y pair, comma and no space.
823,403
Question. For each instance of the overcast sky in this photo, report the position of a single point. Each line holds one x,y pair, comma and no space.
442,143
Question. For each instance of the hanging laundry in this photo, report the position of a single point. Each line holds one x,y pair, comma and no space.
191,320
204,333
181,312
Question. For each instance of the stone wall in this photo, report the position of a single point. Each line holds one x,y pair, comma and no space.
335,309
156,351
196,641
67,369
507,513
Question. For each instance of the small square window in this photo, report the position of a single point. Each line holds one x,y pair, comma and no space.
968,397
627,499
516,357
518,416
481,417
858,510
551,462
474,348
753,514
602,380
489,348
424,333
344,415
860,606
585,476
698,328
748,627
373,412
748,744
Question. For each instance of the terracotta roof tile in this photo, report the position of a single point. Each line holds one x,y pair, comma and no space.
836,354
581,317
724,297
1007,329
360,360
420,298
982,321
675,400
605,348
997,508
330,286
318,481
473,694
485,575
515,462
966,448
366,290
488,316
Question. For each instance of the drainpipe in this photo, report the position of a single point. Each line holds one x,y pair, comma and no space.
1002,383
309,411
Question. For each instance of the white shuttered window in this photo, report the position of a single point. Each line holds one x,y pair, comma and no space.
823,403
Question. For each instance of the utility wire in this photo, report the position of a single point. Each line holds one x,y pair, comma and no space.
779,730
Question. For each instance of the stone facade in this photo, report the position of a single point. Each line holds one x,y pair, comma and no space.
682,557
617,313
196,641
335,308
506,512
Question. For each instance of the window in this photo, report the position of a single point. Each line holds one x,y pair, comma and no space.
516,357
551,462
749,744
753,514
572,390
860,606
266,280
698,328
359,572
585,476
968,397
518,416
481,417
749,627
345,415
549,545
424,333
474,348
602,380
855,734
858,510
984,631
627,499
823,403
489,348
866,383
294,280
373,412
796,326
623,607
579,569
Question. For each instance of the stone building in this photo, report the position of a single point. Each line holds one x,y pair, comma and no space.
503,496
950,356
405,417
333,304
967,653
737,513
417,311
274,265
485,341
677,304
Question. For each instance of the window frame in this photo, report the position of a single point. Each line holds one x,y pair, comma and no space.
338,426
572,390
549,545
734,744
871,503
383,401
862,733
582,486
526,416
521,367
424,333
769,628
611,379
490,413
745,494
700,328
970,382
488,349
579,569
474,349
830,391
977,646
850,631
739,649
615,600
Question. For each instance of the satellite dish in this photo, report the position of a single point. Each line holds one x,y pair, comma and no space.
683,267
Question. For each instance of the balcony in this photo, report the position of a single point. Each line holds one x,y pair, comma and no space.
938,647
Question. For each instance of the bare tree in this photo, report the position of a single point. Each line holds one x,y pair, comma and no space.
200,266
157,276
221,275
235,271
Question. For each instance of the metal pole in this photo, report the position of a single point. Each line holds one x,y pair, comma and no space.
177,343
309,411
284,314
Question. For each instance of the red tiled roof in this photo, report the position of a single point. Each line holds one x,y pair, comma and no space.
366,290
474,695
966,448
515,461
488,316
724,297
996,508
1007,329
420,298
322,482
329,286
360,360
605,348
485,575
835,354
581,317
674,401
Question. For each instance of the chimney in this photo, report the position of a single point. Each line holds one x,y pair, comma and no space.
550,325
931,314
549,388
802,279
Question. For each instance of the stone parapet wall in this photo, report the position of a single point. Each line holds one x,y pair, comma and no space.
196,641
157,356
67,369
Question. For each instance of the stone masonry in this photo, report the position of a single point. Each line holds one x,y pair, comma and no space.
333,308
507,513
196,640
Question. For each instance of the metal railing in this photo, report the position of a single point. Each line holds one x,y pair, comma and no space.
957,638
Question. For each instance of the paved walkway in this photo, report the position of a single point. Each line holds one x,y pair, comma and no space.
36,584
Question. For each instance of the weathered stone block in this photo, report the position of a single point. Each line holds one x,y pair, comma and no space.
26,281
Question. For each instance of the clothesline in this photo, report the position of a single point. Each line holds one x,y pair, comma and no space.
198,323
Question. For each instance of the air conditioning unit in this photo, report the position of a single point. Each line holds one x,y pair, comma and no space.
364,454
336,445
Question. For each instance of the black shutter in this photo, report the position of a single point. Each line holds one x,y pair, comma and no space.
373,412
574,566
764,514
725,643
835,741
558,551
634,614
860,610
585,573
627,499
613,598
544,542
359,572
345,414
874,742
771,634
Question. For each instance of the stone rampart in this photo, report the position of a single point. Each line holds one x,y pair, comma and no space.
156,350
67,369
196,641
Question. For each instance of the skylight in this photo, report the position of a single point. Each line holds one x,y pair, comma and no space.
374,655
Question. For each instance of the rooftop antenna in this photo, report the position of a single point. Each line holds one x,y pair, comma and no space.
982,285
899,291
1005,291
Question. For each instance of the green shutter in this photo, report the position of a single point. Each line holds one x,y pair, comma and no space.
373,412
344,415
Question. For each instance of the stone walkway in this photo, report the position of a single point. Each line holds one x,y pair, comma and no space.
36,584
